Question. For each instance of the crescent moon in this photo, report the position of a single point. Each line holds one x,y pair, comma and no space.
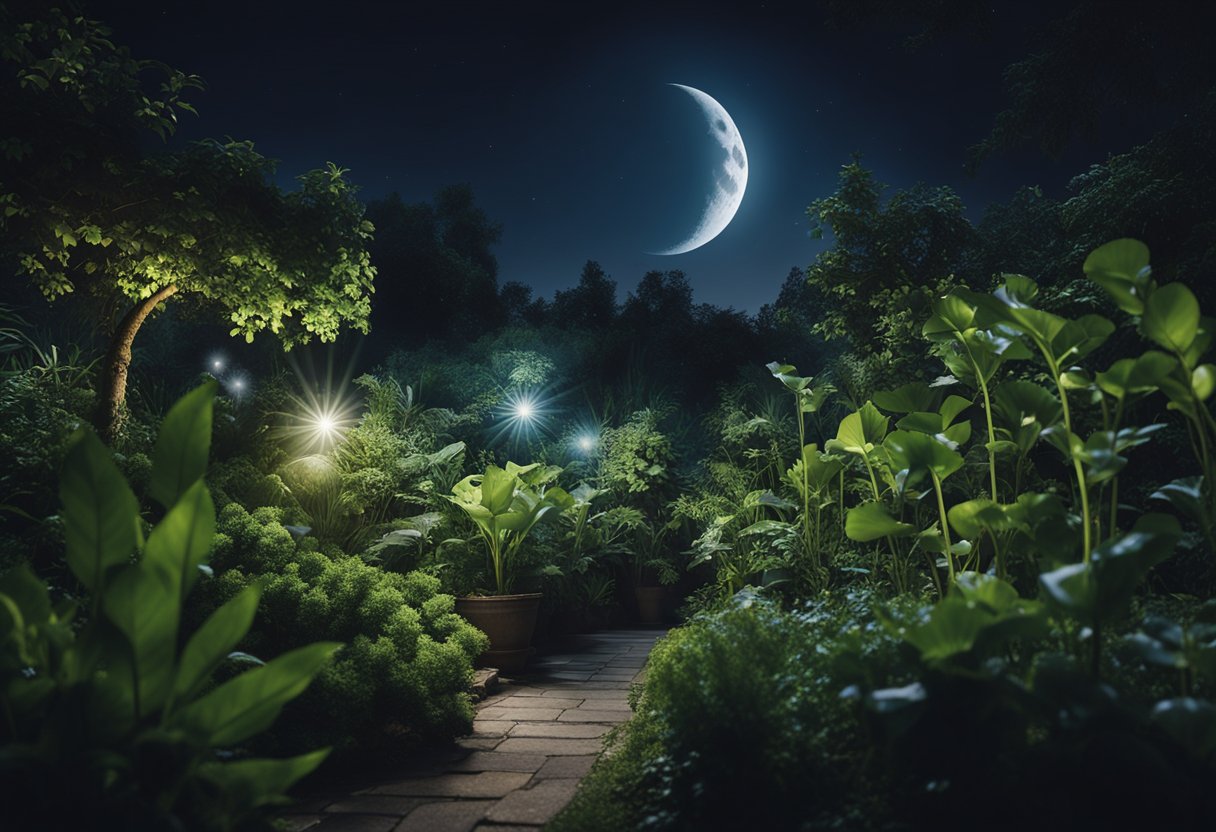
730,175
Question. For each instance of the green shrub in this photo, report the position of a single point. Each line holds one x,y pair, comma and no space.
742,725
405,672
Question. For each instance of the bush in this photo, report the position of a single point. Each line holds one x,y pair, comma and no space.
742,725
405,672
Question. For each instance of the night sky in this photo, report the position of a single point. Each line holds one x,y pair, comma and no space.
562,121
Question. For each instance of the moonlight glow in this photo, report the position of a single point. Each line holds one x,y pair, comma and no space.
730,176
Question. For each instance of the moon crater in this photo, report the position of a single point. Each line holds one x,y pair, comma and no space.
729,176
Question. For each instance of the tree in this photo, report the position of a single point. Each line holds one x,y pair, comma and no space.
520,307
662,300
786,326
1098,61
888,255
86,208
589,305
436,260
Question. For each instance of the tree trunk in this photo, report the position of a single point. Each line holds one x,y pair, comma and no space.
113,388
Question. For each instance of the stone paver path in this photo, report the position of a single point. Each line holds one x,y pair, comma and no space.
532,742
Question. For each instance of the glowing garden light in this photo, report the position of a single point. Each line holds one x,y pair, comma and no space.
238,385
586,444
322,411
322,424
520,415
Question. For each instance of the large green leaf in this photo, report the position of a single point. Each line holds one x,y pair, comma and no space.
28,592
1136,376
25,610
1186,495
183,445
1104,587
181,541
787,375
1008,313
821,469
214,640
1023,409
952,317
913,396
860,431
766,527
248,784
919,453
951,628
998,345
871,521
1171,317
941,421
1191,722
1103,451
981,613
1077,339
498,489
143,603
767,499
974,517
1203,381
1101,457
248,704
1121,268
100,514
1202,342
930,423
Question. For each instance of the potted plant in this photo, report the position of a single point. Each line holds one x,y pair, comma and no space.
505,504
651,557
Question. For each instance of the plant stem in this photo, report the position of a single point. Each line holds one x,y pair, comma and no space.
1114,483
811,545
877,498
979,376
842,500
941,510
1086,531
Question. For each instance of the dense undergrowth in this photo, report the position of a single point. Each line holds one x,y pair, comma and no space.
1034,677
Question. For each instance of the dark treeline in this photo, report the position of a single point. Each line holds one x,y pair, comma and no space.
437,287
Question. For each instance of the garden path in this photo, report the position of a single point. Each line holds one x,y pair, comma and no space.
532,742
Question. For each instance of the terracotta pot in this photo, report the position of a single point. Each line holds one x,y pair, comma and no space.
650,603
509,621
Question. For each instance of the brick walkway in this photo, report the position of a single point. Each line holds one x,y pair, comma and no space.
531,743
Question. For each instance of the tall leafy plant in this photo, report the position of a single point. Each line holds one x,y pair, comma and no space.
807,399
1170,317
505,504
116,723
1058,342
